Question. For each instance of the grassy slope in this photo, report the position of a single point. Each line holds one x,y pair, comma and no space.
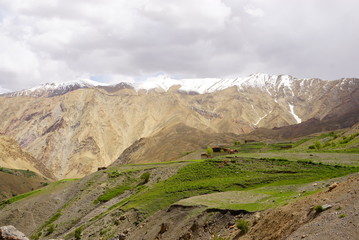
239,174
45,190
14,182
269,182
332,143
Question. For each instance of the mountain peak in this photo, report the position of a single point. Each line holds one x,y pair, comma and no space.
54,89
164,83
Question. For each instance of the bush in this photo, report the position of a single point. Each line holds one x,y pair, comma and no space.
36,236
318,145
50,229
349,138
145,177
318,209
114,174
78,233
111,193
237,143
209,151
243,225
333,134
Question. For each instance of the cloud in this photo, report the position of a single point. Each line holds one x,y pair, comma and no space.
114,40
3,90
256,12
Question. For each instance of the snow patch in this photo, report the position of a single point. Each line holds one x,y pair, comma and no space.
285,80
260,119
298,119
162,82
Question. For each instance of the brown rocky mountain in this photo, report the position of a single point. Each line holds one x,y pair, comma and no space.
12,156
19,171
310,126
74,132
172,143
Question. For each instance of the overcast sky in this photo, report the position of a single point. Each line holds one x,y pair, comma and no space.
130,40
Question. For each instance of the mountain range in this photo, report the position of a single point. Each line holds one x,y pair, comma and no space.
75,127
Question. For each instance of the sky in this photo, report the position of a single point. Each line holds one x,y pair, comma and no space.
125,41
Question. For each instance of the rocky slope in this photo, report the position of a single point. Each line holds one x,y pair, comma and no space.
172,143
299,220
72,129
313,125
72,209
13,156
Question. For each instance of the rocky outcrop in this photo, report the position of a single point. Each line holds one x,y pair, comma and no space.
11,233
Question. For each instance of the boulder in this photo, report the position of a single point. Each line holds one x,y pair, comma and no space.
11,233
331,187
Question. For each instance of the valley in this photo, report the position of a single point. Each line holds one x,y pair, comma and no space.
85,161
179,120
186,199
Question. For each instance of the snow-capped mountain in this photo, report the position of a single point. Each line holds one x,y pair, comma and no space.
55,89
272,84
164,83
208,85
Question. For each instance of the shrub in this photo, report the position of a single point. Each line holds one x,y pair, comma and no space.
318,208
44,184
50,229
145,177
318,145
78,233
111,193
333,134
209,151
237,143
36,236
349,138
114,174
243,225
342,216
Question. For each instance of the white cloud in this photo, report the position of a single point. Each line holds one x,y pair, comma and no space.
122,40
187,14
3,90
16,61
256,12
